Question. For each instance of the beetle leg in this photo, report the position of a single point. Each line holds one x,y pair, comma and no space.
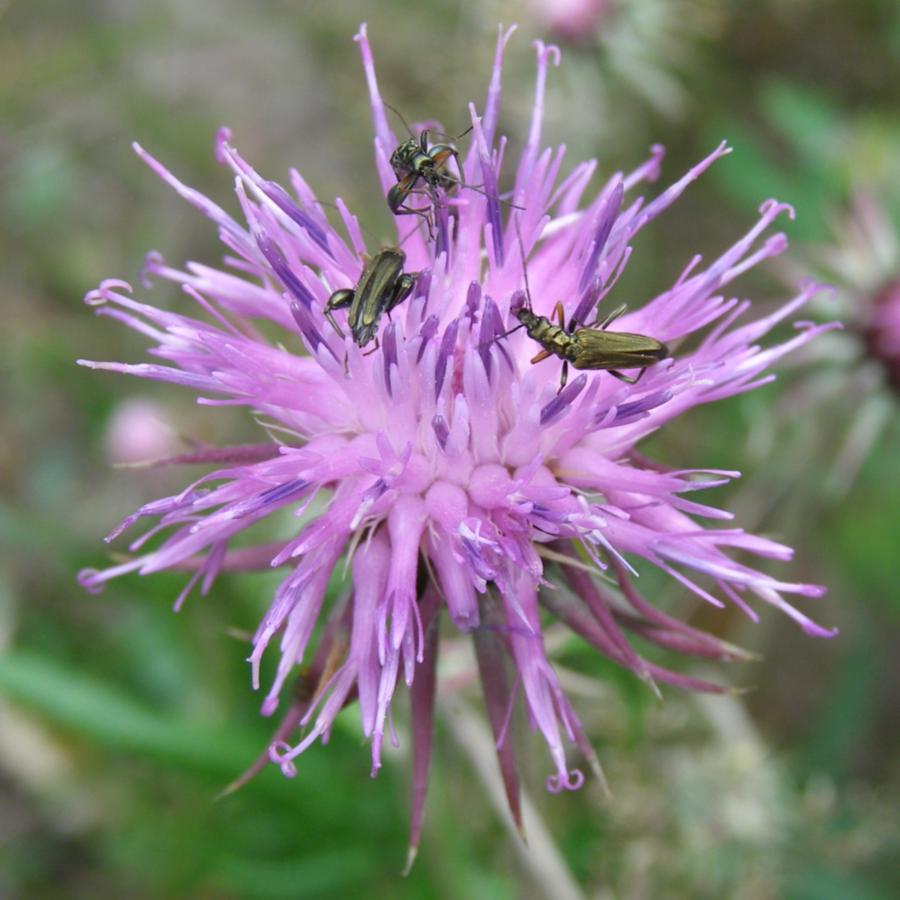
424,214
541,356
605,323
403,288
421,213
338,300
478,188
560,314
627,378
399,207
410,211
564,378
440,153
396,196
441,157
334,323
376,347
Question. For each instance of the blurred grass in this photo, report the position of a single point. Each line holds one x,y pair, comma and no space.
124,720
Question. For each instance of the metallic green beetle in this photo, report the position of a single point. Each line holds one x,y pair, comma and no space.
589,347
382,286
592,347
414,161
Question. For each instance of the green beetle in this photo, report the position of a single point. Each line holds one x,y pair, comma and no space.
588,347
382,286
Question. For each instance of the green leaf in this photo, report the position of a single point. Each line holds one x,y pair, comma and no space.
806,118
99,712
827,884
322,874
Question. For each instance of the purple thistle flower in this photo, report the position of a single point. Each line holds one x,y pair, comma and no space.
454,480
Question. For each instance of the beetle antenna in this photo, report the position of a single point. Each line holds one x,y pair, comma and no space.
399,115
524,266
368,231
507,333
478,190
499,337
450,137
410,233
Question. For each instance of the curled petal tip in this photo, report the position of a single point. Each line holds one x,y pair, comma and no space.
565,781
277,749
774,207
280,754
88,579
100,295
94,298
546,51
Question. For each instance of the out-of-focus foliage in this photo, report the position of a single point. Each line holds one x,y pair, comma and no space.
120,722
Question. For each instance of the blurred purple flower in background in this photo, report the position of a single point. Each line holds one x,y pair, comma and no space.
854,396
138,430
444,471
571,20
882,334
865,262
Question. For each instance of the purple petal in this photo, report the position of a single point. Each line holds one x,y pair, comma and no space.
422,696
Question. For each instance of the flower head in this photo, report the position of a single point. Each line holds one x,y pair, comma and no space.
852,396
572,20
882,334
138,431
453,479
864,262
